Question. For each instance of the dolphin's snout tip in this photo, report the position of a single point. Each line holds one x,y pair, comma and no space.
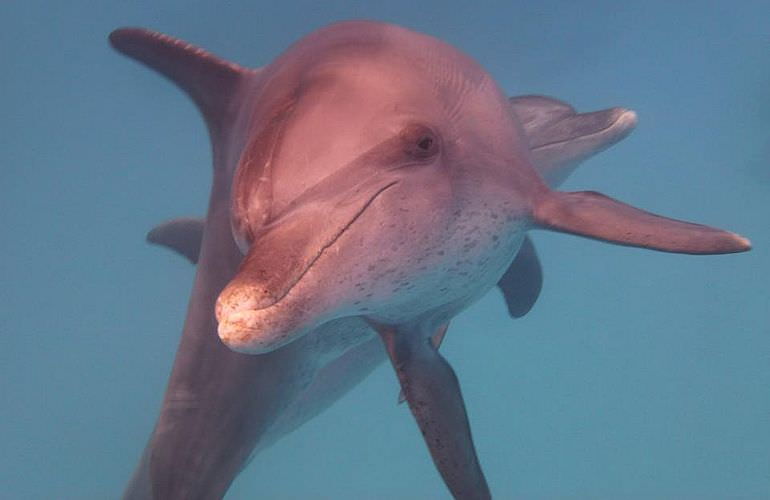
244,321
238,332
235,310
239,297
622,121
627,118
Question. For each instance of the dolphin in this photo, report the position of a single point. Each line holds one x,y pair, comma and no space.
559,139
370,179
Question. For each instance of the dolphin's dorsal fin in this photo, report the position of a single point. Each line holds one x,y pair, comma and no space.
594,215
183,235
211,82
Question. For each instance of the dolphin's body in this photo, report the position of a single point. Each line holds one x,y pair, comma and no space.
377,181
559,138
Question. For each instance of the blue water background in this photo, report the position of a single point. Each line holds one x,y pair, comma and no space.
637,375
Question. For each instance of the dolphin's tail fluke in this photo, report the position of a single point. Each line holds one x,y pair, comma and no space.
597,216
211,82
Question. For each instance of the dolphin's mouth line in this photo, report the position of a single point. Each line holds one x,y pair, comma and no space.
626,115
323,248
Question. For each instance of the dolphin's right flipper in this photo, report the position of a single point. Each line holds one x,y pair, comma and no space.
522,282
183,235
433,394
436,339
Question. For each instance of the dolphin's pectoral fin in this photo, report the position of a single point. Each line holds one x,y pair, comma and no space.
597,216
433,394
436,341
438,338
211,82
183,235
522,282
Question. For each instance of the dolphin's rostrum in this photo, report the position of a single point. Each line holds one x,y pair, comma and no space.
376,179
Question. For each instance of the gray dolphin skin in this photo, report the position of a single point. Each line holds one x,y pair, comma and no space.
369,182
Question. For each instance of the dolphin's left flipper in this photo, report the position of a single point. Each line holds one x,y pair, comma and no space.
522,282
433,394
183,235
594,215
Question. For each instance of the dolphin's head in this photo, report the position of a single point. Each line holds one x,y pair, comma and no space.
385,177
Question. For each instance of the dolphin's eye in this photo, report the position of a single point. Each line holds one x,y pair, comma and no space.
425,143
421,142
